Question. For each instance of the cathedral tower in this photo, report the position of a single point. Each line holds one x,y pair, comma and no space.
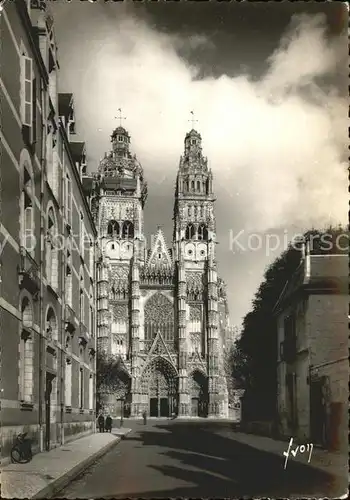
159,308
120,192
201,378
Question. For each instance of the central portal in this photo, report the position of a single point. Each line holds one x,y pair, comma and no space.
159,383
159,407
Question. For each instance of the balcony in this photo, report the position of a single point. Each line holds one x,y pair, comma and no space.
28,273
69,319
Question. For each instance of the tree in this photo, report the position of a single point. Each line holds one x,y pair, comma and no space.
255,353
107,376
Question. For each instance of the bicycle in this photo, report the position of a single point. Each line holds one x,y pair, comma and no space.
21,452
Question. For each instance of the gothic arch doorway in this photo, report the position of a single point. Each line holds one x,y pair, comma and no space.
159,383
199,394
123,394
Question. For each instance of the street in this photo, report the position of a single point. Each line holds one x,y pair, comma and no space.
198,459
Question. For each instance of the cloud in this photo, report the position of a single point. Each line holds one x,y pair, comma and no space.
277,146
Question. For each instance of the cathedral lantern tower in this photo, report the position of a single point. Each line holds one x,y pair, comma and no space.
201,380
119,197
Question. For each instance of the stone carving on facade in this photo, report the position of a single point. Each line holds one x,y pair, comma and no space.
195,312
120,313
159,378
159,309
119,273
194,281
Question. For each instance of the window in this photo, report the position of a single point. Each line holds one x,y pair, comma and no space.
128,230
82,234
26,368
198,186
26,90
202,232
27,206
81,388
190,232
81,300
68,383
113,228
91,258
51,326
68,277
91,312
68,200
51,249
91,392
192,185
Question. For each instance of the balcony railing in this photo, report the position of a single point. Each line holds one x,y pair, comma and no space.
28,272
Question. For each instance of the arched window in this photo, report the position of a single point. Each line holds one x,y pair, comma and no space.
51,325
159,315
204,188
192,185
198,185
190,232
27,220
128,230
51,249
113,228
26,365
202,232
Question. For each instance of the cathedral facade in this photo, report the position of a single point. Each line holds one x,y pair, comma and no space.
161,310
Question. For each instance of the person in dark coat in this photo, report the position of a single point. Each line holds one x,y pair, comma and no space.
101,422
108,424
144,414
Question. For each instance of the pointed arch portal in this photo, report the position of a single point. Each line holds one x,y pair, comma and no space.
159,382
199,394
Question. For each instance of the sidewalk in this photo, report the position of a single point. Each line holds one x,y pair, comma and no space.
51,471
335,463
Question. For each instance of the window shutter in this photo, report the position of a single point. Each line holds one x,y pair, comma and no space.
27,90
28,226
34,112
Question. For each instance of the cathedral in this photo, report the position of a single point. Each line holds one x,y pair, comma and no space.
161,311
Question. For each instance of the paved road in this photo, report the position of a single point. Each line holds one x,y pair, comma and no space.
190,459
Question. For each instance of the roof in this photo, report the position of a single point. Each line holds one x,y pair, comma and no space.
193,133
120,131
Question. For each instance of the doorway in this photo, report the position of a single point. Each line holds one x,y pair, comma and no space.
48,390
159,407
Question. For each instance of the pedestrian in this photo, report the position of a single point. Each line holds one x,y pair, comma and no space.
108,424
101,422
144,414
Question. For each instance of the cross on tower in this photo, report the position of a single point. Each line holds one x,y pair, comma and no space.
120,117
192,119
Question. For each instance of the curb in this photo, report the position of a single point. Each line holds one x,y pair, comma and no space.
61,482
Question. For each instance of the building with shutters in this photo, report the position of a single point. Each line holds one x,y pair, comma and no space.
162,310
47,301
312,365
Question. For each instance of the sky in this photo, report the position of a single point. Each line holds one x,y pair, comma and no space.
268,85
